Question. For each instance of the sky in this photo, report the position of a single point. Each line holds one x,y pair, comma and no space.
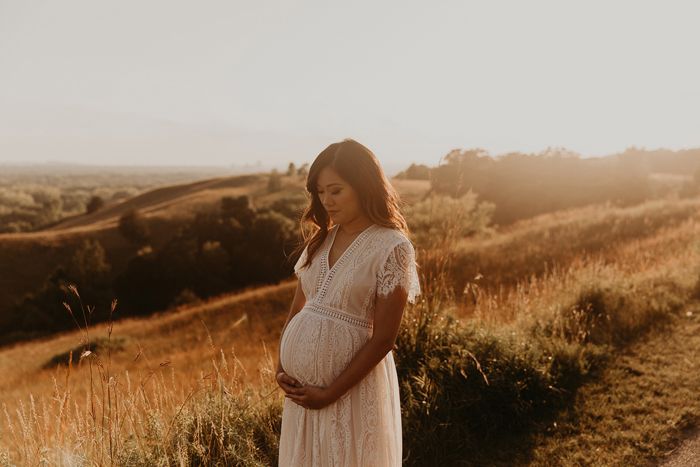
169,82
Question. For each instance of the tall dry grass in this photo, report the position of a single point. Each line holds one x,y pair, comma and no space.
474,381
475,384
532,247
152,419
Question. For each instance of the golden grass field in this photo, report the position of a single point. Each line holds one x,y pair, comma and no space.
530,272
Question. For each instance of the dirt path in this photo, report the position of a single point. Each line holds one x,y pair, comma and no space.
643,410
687,454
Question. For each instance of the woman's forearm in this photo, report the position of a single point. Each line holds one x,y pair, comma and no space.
361,364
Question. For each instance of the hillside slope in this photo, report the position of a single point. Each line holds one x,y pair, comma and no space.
180,339
162,201
27,259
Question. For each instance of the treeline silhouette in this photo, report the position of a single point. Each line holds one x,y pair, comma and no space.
231,247
524,185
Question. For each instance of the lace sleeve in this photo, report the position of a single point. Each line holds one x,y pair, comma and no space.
301,261
400,269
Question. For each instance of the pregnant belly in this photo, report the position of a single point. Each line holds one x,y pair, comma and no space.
316,348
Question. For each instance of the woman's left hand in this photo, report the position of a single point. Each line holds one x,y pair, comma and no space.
311,397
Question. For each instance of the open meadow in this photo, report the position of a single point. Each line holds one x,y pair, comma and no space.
210,214
512,323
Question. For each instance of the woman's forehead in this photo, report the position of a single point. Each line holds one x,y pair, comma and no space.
328,177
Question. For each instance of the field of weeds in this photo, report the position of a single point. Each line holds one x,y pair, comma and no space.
509,327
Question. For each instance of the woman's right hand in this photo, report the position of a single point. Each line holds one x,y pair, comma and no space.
286,382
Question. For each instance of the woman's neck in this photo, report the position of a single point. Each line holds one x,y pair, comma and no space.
355,226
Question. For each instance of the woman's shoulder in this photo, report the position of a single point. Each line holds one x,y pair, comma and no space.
393,236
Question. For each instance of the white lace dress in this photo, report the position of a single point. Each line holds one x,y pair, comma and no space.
363,427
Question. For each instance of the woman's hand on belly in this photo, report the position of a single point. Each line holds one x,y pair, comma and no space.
286,382
311,397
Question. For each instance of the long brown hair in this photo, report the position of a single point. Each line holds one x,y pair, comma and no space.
360,168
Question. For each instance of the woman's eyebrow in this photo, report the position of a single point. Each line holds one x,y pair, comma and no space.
330,184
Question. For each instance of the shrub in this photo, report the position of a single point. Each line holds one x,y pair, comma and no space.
438,219
291,206
133,227
95,204
98,345
237,208
185,297
463,388
274,182
614,314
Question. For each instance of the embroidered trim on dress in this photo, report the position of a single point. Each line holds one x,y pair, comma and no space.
399,270
334,313
326,276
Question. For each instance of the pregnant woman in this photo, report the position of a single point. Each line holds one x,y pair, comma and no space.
356,272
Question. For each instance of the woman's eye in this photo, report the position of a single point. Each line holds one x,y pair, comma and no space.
335,192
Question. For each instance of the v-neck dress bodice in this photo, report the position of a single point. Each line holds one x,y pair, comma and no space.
331,243
363,427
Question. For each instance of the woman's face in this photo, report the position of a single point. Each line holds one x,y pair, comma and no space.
337,196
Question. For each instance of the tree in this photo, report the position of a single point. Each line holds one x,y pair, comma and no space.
291,206
291,170
274,183
263,258
41,312
95,204
134,227
237,208
89,270
415,172
303,171
89,263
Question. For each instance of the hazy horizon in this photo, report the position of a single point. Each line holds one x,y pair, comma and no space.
233,83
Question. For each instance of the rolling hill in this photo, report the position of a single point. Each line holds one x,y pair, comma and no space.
27,259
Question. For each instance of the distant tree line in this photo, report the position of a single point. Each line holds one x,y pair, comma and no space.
274,180
227,248
31,207
524,185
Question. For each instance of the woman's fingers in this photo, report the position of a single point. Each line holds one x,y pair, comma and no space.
296,399
286,387
288,379
285,381
291,381
296,391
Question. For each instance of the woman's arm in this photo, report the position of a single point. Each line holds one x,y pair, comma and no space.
387,319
